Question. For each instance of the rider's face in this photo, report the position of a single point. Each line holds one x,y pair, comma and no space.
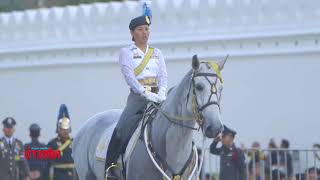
141,34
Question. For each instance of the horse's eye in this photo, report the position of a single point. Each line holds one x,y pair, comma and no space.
199,87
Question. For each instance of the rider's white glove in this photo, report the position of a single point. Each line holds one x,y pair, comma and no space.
162,94
150,96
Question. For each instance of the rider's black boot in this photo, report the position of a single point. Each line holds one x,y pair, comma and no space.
113,153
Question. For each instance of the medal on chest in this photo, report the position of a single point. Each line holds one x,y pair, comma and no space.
136,55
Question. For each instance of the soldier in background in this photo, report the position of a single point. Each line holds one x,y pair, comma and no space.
232,159
37,166
62,168
13,166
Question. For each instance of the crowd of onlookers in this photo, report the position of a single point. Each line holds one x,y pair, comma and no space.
279,162
276,163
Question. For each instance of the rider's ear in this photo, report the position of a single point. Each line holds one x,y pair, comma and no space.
221,63
195,62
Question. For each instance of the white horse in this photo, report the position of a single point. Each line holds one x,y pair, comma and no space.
166,151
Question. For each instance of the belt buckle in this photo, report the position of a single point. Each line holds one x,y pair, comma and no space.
148,88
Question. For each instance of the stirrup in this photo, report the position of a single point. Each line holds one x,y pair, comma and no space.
108,169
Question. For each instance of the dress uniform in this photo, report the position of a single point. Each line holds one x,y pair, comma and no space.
146,76
232,159
13,166
37,166
62,168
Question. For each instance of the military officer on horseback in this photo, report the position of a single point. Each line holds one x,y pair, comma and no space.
144,70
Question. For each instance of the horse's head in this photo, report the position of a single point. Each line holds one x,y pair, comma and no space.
206,88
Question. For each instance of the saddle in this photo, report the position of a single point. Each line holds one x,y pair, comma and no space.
102,147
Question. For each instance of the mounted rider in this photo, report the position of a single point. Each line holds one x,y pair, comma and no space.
144,70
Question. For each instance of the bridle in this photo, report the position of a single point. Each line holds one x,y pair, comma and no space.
196,108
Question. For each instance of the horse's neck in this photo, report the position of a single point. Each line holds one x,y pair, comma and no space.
172,142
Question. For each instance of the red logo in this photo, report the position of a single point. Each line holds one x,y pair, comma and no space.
42,153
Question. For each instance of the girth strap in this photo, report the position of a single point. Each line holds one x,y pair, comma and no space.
163,164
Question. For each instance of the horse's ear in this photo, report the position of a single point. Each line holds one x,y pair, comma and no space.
221,63
195,62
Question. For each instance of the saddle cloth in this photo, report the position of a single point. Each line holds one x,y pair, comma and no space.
101,150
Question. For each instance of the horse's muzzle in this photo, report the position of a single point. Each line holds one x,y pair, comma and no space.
213,132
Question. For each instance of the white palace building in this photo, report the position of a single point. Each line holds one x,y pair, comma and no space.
69,55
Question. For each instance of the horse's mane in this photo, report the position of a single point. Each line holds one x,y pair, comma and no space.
180,87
